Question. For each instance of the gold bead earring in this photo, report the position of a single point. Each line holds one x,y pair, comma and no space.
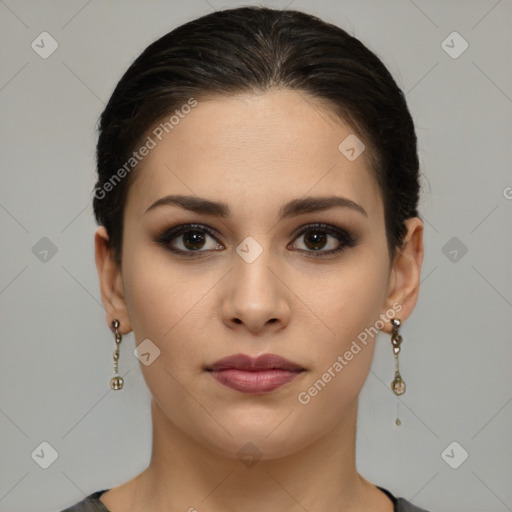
398,384
116,382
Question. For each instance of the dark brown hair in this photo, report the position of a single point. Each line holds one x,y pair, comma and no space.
253,49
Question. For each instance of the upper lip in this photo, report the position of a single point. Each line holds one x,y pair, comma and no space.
248,363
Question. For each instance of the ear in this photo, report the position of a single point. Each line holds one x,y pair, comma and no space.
111,282
404,280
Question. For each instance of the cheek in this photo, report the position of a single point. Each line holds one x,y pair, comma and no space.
161,302
354,298
350,309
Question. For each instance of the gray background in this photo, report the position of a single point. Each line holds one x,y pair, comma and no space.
56,350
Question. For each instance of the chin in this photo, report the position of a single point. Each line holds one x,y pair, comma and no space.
268,440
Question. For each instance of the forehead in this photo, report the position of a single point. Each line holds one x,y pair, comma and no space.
254,149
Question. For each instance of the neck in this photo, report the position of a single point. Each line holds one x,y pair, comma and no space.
184,474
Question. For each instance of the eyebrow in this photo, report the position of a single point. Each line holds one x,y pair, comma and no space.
295,207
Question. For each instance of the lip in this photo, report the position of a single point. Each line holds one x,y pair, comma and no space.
254,375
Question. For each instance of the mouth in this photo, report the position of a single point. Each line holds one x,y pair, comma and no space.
254,375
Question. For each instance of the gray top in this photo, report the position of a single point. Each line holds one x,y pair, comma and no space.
92,503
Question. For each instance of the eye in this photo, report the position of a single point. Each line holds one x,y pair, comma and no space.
191,238
316,238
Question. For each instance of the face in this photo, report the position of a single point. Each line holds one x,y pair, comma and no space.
273,268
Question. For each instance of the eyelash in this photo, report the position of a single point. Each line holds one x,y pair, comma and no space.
345,238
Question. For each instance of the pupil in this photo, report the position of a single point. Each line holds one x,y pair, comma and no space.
197,238
318,238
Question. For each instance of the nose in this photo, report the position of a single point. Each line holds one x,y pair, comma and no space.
256,297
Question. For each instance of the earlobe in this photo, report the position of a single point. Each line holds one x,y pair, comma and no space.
111,283
406,271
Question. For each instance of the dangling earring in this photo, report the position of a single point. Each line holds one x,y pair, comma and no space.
398,384
116,382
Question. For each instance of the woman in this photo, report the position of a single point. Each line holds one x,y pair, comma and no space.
257,199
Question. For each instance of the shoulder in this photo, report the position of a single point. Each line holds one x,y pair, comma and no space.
402,505
90,503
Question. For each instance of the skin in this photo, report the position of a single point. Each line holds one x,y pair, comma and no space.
255,153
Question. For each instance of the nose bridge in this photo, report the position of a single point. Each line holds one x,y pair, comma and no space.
256,295
252,274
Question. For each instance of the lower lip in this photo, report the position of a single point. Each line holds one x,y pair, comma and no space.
260,381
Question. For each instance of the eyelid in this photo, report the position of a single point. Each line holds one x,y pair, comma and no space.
165,236
322,226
